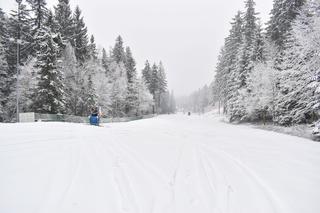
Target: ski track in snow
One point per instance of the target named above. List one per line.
(167, 164)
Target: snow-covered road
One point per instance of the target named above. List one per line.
(165, 164)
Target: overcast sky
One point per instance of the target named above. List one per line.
(186, 35)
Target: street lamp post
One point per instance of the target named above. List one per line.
(18, 60)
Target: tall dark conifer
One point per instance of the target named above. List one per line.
(80, 37)
(118, 53)
(282, 15)
(40, 12)
(49, 95)
(63, 16)
(146, 74)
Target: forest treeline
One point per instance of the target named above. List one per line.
(61, 70)
(270, 73)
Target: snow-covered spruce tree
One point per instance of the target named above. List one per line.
(5, 77)
(298, 97)
(118, 53)
(80, 37)
(154, 85)
(246, 59)
(19, 27)
(162, 78)
(163, 94)
(219, 88)
(246, 52)
(50, 95)
(105, 62)
(4, 81)
(286, 82)
(39, 12)
(3, 26)
(282, 15)
(259, 50)
(92, 49)
(232, 46)
(146, 74)
(63, 17)
(132, 89)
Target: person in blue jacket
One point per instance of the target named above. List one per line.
(94, 117)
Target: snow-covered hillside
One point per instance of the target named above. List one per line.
(161, 165)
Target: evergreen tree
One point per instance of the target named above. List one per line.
(162, 93)
(232, 47)
(130, 66)
(162, 79)
(50, 96)
(4, 80)
(259, 52)
(220, 81)
(154, 82)
(118, 53)
(52, 23)
(132, 92)
(3, 26)
(246, 52)
(80, 37)
(105, 62)
(246, 58)
(282, 15)
(298, 97)
(92, 48)
(40, 12)
(19, 27)
(146, 74)
(63, 16)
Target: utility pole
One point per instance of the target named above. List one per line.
(18, 59)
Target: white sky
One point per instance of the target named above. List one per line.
(186, 35)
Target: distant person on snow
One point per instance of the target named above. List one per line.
(94, 118)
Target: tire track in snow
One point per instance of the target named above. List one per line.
(75, 159)
(246, 174)
(212, 178)
(158, 183)
(128, 201)
(143, 164)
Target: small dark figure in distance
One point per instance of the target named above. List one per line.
(94, 118)
(189, 113)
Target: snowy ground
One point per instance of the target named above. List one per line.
(161, 165)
